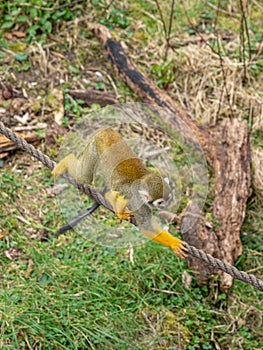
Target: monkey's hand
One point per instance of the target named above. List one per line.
(119, 205)
(165, 238)
(63, 166)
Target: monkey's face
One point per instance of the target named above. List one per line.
(163, 201)
(156, 191)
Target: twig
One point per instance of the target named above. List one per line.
(244, 19)
(242, 42)
(149, 323)
(162, 19)
(218, 9)
(169, 30)
(165, 291)
(218, 53)
(106, 8)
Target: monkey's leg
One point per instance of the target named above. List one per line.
(68, 164)
(119, 204)
(77, 219)
(147, 225)
(82, 168)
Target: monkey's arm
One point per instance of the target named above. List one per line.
(119, 204)
(68, 164)
(165, 238)
(154, 231)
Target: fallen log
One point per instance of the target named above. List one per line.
(6, 145)
(90, 96)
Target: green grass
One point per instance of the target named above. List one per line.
(78, 294)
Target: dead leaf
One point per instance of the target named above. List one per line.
(56, 189)
(187, 279)
(3, 234)
(13, 253)
(8, 36)
(7, 91)
(52, 134)
(29, 268)
(58, 105)
(19, 34)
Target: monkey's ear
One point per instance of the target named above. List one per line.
(145, 196)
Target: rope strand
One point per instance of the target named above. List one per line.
(25, 146)
(209, 259)
(229, 269)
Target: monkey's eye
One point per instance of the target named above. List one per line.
(159, 203)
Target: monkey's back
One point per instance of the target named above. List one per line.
(105, 138)
(120, 164)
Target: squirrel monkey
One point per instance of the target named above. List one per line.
(132, 186)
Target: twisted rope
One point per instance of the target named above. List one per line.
(25, 146)
(229, 269)
(209, 259)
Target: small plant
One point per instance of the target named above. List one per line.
(36, 19)
(115, 17)
(165, 74)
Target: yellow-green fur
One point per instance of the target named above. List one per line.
(131, 184)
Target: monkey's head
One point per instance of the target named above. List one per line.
(155, 190)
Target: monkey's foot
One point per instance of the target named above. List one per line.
(180, 250)
(62, 166)
(124, 216)
(119, 205)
